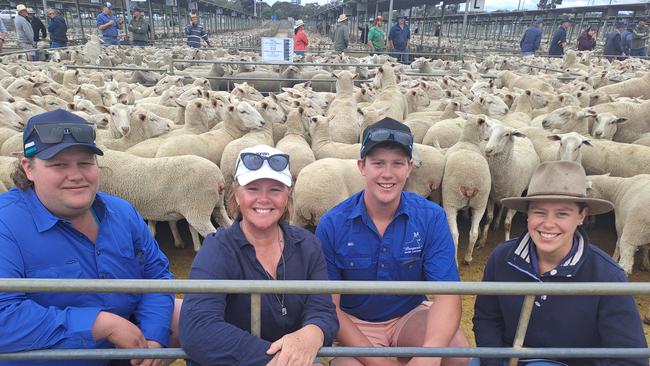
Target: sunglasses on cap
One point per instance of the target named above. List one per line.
(253, 161)
(54, 133)
(383, 134)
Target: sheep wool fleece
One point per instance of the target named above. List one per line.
(416, 246)
(558, 321)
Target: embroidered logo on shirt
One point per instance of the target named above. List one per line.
(350, 244)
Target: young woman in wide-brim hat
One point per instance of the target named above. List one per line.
(555, 248)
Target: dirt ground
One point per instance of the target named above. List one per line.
(603, 234)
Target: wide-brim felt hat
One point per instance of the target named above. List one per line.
(21, 7)
(558, 181)
(298, 24)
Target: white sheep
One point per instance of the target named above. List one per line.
(637, 119)
(294, 143)
(142, 125)
(512, 163)
(636, 87)
(631, 199)
(606, 125)
(168, 189)
(389, 94)
(343, 128)
(571, 118)
(467, 181)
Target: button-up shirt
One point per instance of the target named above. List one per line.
(112, 30)
(416, 246)
(399, 36)
(34, 243)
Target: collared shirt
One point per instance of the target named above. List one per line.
(196, 32)
(58, 29)
(399, 36)
(558, 321)
(112, 30)
(416, 246)
(34, 243)
(300, 41)
(215, 328)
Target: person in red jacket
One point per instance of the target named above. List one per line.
(300, 40)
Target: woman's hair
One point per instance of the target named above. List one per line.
(19, 177)
(235, 213)
(296, 30)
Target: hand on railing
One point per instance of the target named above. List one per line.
(117, 330)
(298, 348)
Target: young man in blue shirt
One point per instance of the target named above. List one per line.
(195, 32)
(56, 224)
(385, 234)
(108, 24)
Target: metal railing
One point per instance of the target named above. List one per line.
(256, 288)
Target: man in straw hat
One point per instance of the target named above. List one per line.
(385, 234)
(195, 32)
(556, 249)
(108, 25)
(341, 34)
(24, 31)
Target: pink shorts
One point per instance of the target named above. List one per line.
(386, 333)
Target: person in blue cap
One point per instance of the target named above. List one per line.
(55, 224)
(108, 25)
(383, 233)
(139, 27)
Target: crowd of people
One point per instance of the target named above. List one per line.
(622, 42)
(56, 224)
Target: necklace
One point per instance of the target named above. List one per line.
(280, 299)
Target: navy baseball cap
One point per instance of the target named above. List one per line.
(136, 8)
(387, 130)
(108, 5)
(49, 133)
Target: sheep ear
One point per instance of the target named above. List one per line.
(71, 106)
(360, 111)
(517, 134)
(335, 75)
(620, 120)
(355, 76)
(528, 92)
(554, 137)
(301, 110)
(330, 118)
(561, 98)
(231, 108)
(265, 105)
(413, 92)
(273, 96)
(142, 116)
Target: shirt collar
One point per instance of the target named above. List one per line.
(359, 209)
(524, 256)
(45, 220)
(291, 235)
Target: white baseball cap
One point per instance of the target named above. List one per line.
(245, 175)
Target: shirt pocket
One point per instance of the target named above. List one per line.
(71, 269)
(410, 268)
(355, 267)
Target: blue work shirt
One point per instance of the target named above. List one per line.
(34, 243)
(559, 36)
(531, 39)
(196, 32)
(111, 31)
(399, 36)
(215, 328)
(416, 246)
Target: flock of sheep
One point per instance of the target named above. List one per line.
(170, 148)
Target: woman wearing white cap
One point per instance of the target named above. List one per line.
(259, 245)
(556, 249)
(300, 40)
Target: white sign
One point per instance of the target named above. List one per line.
(476, 5)
(277, 49)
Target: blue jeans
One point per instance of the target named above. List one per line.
(527, 53)
(402, 56)
(643, 52)
(37, 56)
(111, 41)
(477, 362)
(300, 53)
(139, 43)
(56, 44)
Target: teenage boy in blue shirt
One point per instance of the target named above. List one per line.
(385, 234)
(57, 225)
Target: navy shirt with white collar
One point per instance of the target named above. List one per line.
(416, 246)
(558, 321)
(34, 243)
(215, 328)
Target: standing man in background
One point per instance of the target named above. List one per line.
(559, 39)
(195, 32)
(626, 39)
(614, 42)
(108, 25)
(341, 34)
(532, 38)
(376, 35)
(3, 34)
(398, 37)
(58, 29)
(139, 27)
(24, 31)
(640, 39)
(39, 29)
